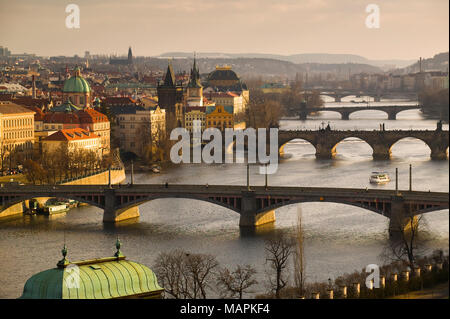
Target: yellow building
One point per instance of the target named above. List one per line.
(73, 140)
(220, 117)
(16, 130)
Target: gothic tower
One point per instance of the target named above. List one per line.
(130, 56)
(194, 88)
(170, 98)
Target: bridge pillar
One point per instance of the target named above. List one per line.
(303, 116)
(401, 221)
(345, 116)
(377, 98)
(438, 152)
(337, 98)
(111, 214)
(381, 152)
(249, 217)
(325, 151)
(392, 115)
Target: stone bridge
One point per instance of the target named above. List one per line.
(326, 140)
(390, 110)
(256, 205)
(377, 94)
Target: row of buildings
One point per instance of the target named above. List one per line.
(80, 120)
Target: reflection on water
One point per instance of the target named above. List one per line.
(338, 238)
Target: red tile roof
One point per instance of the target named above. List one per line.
(59, 117)
(89, 115)
(71, 135)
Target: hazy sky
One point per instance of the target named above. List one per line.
(408, 28)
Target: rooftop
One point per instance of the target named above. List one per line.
(71, 135)
(103, 278)
(7, 107)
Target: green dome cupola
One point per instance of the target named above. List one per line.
(76, 83)
(102, 278)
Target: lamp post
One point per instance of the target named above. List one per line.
(396, 180)
(248, 176)
(410, 177)
(132, 172)
(266, 184)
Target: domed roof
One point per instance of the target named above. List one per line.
(104, 278)
(76, 84)
(223, 73)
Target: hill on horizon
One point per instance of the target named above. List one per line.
(323, 58)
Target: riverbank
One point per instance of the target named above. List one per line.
(437, 292)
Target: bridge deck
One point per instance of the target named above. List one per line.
(222, 190)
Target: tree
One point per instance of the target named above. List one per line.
(299, 258)
(262, 111)
(169, 269)
(184, 275)
(278, 250)
(407, 243)
(235, 283)
(199, 272)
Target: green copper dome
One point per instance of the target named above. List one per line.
(104, 278)
(76, 84)
(101, 279)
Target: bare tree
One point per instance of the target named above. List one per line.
(278, 250)
(200, 270)
(235, 283)
(169, 269)
(407, 243)
(184, 275)
(299, 258)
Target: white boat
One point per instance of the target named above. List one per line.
(379, 177)
(55, 209)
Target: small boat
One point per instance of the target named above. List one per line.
(57, 208)
(379, 178)
(156, 169)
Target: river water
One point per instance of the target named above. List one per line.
(338, 238)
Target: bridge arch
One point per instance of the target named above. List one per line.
(97, 201)
(352, 138)
(410, 138)
(372, 110)
(324, 110)
(213, 200)
(282, 144)
(368, 207)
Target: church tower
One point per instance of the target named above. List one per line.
(130, 56)
(194, 88)
(170, 98)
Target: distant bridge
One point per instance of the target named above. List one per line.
(377, 94)
(325, 141)
(391, 110)
(255, 205)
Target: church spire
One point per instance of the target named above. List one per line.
(195, 75)
(169, 79)
(130, 55)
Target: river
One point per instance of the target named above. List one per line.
(338, 238)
